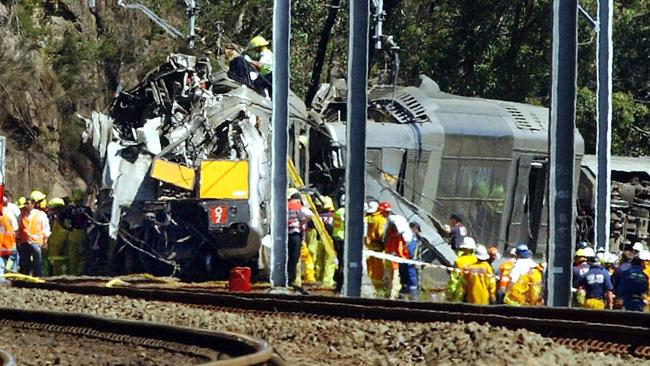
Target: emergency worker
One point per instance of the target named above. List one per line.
(503, 268)
(58, 241)
(633, 287)
(456, 230)
(297, 216)
(595, 289)
(262, 60)
(338, 236)
(377, 222)
(8, 251)
(13, 208)
(644, 256)
(580, 265)
(609, 263)
(78, 249)
(523, 264)
(527, 290)
(480, 284)
(455, 291)
(32, 238)
(625, 264)
(324, 264)
(408, 274)
(40, 200)
(398, 234)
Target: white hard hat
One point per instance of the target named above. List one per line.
(637, 246)
(611, 258)
(588, 252)
(372, 207)
(644, 255)
(482, 253)
(468, 243)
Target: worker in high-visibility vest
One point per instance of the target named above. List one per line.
(324, 263)
(455, 291)
(58, 241)
(32, 237)
(527, 290)
(338, 236)
(8, 251)
(377, 222)
(78, 249)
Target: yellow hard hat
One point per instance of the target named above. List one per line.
(37, 196)
(22, 201)
(56, 202)
(580, 253)
(258, 41)
(328, 203)
(77, 194)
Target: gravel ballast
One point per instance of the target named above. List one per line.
(335, 341)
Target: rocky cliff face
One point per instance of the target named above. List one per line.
(58, 58)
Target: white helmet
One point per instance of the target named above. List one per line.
(588, 252)
(482, 253)
(644, 255)
(611, 258)
(468, 243)
(637, 246)
(372, 207)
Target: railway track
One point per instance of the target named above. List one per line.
(121, 337)
(615, 332)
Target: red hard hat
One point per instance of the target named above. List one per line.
(384, 206)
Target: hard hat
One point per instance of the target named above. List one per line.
(588, 252)
(468, 243)
(644, 255)
(521, 247)
(328, 203)
(77, 194)
(611, 258)
(258, 41)
(37, 196)
(580, 253)
(637, 246)
(291, 191)
(56, 202)
(373, 206)
(22, 201)
(384, 207)
(482, 253)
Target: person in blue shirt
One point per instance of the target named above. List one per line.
(595, 289)
(633, 287)
(407, 272)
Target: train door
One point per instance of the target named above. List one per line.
(527, 218)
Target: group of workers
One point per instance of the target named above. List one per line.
(480, 275)
(42, 237)
(600, 279)
(385, 232)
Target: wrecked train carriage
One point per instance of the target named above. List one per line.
(186, 161)
(432, 154)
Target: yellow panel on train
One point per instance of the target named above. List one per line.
(224, 179)
(173, 173)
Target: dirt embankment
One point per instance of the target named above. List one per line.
(57, 58)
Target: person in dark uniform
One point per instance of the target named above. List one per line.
(456, 230)
(595, 286)
(633, 287)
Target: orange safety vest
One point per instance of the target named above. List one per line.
(7, 236)
(504, 270)
(31, 228)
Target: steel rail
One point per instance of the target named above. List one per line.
(241, 350)
(617, 331)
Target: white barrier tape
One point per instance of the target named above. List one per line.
(396, 259)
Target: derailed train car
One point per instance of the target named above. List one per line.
(185, 166)
(435, 154)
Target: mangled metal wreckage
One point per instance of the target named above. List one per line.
(186, 169)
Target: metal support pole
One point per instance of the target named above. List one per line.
(191, 21)
(279, 119)
(355, 172)
(562, 152)
(604, 120)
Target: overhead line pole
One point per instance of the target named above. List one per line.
(562, 208)
(604, 56)
(355, 173)
(279, 142)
